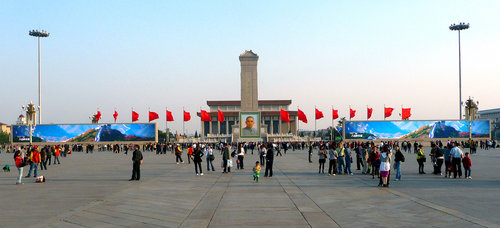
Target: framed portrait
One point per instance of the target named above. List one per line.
(249, 124)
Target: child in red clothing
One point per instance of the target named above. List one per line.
(467, 164)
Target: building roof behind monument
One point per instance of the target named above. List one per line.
(249, 54)
(283, 102)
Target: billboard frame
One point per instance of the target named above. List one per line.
(418, 140)
(83, 143)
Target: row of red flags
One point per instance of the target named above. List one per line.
(285, 116)
(153, 116)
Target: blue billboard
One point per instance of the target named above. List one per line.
(86, 133)
(415, 129)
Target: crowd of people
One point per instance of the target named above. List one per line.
(370, 158)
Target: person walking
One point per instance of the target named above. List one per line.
(439, 156)
(457, 155)
(210, 158)
(364, 158)
(399, 158)
(341, 158)
(310, 152)
(332, 165)
(136, 164)
(375, 161)
(467, 164)
(385, 166)
(359, 159)
(262, 155)
(447, 161)
(190, 153)
(348, 160)
(18, 159)
(241, 156)
(35, 159)
(178, 153)
(57, 152)
(420, 159)
(322, 159)
(197, 155)
(225, 158)
(269, 160)
(43, 156)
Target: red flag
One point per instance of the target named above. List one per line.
(205, 117)
(335, 114)
(169, 116)
(406, 113)
(115, 115)
(98, 116)
(352, 113)
(187, 116)
(302, 116)
(319, 114)
(369, 112)
(153, 116)
(285, 116)
(388, 112)
(135, 116)
(220, 116)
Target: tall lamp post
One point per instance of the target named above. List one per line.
(39, 34)
(459, 27)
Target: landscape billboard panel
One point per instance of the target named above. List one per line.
(415, 129)
(86, 133)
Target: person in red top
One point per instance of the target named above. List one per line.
(467, 164)
(35, 159)
(57, 152)
(190, 153)
(18, 158)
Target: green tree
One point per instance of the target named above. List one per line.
(4, 137)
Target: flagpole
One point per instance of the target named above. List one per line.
(297, 130)
(350, 112)
(183, 122)
(315, 120)
(332, 124)
(384, 111)
(366, 112)
(279, 126)
(132, 114)
(149, 110)
(166, 125)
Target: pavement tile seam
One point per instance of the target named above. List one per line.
(201, 199)
(298, 187)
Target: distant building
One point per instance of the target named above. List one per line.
(272, 129)
(494, 116)
(4, 128)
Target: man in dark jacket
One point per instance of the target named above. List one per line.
(137, 161)
(269, 160)
(225, 158)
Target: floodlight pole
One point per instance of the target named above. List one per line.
(39, 34)
(459, 27)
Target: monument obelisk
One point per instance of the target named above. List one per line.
(249, 83)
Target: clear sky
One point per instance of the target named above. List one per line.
(141, 54)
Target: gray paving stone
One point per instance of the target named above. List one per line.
(91, 190)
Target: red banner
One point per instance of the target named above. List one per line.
(285, 116)
(335, 114)
(369, 112)
(135, 116)
(187, 116)
(319, 114)
(220, 116)
(153, 116)
(406, 113)
(388, 112)
(302, 116)
(205, 117)
(170, 117)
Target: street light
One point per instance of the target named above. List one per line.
(459, 27)
(39, 34)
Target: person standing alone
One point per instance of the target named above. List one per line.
(136, 162)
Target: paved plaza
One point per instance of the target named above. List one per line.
(92, 190)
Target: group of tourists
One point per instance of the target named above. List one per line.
(378, 159)
(196, 152)
(33, 157)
